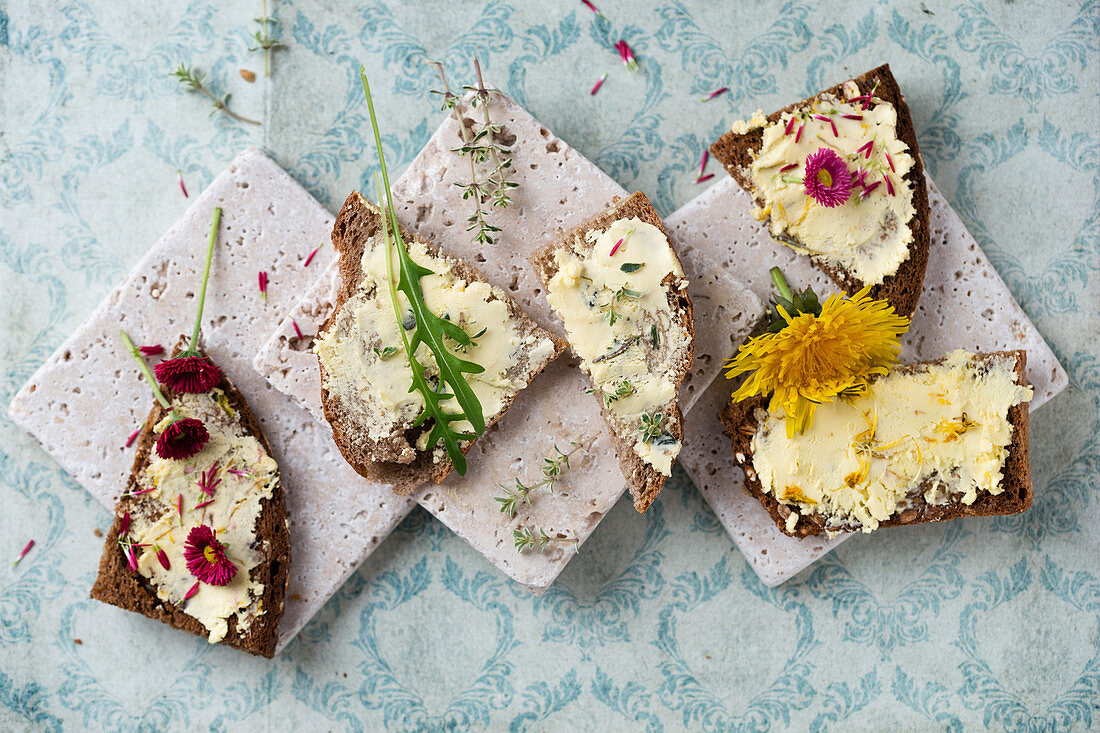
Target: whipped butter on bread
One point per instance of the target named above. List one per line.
(246, 474)
(867, 236)
(619, 322)
(936, 431)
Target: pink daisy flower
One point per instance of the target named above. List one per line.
(206, 558)
(827, 180)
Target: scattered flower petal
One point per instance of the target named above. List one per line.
(707, 177)
(191, 591)
(262, 279)
(207, 481)
(132, 438)
(593, 8)
(715, 93)
(124, 524)
(162, 556)
(599, 83)
(296, 329)
(179, 177)
(627, 55)
(151, 350)
(703, 163)
(308, 260)
(23, 554)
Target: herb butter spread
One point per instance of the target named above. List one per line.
(941, 429)
(245, 474)
(617, 315)
(868, 235)
(365, 359)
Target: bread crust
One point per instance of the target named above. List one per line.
(903, 288)
(117, 585)
(394, 459)
(644, 481)
(740, 423)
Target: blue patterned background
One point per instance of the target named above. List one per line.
(659, 624)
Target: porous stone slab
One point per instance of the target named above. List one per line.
(86, 399)
(964, 304)
(558, 190)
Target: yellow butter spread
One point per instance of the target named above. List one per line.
(868, 236)
(247, 474)
(941, 429)
(617, 315)
(365, 359)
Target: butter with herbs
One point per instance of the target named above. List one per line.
(619, 323)
(867, 236)
(247, 474)
(941, 429)
(365, 360)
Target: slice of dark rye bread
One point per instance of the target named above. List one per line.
(388, 459)
(736, 152)
(118, 585)
(644, 481)
(740, 422)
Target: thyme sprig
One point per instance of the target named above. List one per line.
(428, 329)
(479, 147)
(195, 83)
(535, 538)
(264, 40)
(498, 155)
(552, 469)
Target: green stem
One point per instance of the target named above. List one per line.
(781, 284)
(389, 267)
(145, 370)
(193, 347)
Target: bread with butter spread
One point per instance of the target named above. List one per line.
(619, 287)
(365, 373)
(994, 479)
(246, 509)
(879, 235)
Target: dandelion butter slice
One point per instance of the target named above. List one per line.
(925, 442)
(620, 291)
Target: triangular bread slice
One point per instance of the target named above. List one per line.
(741, 420)
(118, 585)
(394, 456)
(736, 151)
(672, 347)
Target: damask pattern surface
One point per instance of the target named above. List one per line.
(659, 624)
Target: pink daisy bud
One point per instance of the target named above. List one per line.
(182, 439)
(190, 374)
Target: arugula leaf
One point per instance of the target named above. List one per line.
(430, 330)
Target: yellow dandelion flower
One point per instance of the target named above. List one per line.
(813, 359)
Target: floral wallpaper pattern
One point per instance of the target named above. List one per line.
(658, 624)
